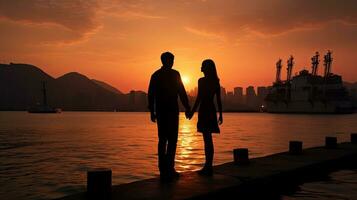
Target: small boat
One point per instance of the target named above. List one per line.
(45, 108)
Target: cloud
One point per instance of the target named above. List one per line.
(211, 17)
(19, 38)
(76, 15)
(130, 9)
(232, 18)
(271, 17)
(130, 15)
(204, 34)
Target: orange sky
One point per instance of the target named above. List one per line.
(120, 41)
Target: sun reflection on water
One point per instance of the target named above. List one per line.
(189, 155)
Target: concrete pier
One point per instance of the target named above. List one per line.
(232, 181)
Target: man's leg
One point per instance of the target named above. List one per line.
(162, 155)
(172, 142)
(161, 149)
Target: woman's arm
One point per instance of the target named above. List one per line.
(219, 104)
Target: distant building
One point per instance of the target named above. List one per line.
(229, 101)
(251, 98)
(262, 92)
(250, 92)
(230, 96)
(238, 95)
(223, 93)
(238, 92)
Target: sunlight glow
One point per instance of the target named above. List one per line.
(185, 80)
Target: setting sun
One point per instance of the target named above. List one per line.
(185, 80)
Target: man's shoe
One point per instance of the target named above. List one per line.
(165, 178)
(206, 171)
(175, 174)
(169, 176)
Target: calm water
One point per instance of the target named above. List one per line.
(340, 185)
(47, 155)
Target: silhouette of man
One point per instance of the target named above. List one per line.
(164, 88)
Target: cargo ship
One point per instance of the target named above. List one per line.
(309, 92)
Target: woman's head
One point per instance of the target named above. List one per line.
(209, 69)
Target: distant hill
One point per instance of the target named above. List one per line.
(77, 92)
(107, 86)
(21, 88)
(20, 85)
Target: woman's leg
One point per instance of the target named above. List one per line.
(209, 149)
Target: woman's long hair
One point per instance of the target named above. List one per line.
(209, 69)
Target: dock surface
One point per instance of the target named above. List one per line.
(230, 181)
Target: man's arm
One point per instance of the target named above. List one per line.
(151, 98)
(182, 94)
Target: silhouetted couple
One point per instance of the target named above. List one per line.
(164, 89)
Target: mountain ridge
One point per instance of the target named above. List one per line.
(107, 86)
(21, 87)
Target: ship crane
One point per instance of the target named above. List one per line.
(278, 71)
(290, 68)
(315, 92)
(327, 63)
(315, 63)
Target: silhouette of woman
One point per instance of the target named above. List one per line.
(208, 87)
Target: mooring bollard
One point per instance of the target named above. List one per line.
(99, 183)
(354, 138)
(330, 142)
(240, 156)
(295, 147)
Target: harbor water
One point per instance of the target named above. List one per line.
(45, 156)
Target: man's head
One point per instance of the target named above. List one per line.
(167, 59)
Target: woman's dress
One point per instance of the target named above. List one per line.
(207, 114)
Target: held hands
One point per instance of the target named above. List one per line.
(188, 114)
